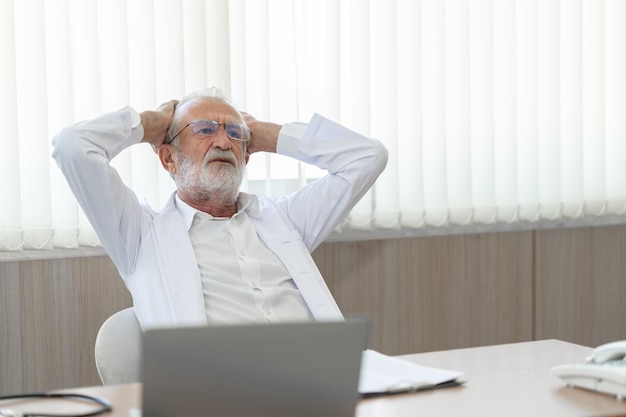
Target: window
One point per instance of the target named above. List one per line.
(498, 114)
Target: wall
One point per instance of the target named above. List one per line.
(436, 293)
(50, 312)
(421, 294)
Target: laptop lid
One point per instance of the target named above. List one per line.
(278, 370)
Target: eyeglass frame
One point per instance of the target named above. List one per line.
(219, 125)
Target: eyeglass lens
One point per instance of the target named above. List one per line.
(211, 128)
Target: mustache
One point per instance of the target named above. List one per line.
(219, 155)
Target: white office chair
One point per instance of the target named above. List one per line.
(118, 349)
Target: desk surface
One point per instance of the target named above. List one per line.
(512, 380)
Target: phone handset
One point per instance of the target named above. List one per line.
(608, 352)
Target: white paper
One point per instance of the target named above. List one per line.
(381, 373)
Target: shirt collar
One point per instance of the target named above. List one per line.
(246, 202)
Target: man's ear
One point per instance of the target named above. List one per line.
(166, 156)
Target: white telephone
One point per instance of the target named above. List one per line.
(604, 371)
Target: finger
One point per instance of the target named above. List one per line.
(168, 106)
(247, 117)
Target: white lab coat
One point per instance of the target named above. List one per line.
(152, 250)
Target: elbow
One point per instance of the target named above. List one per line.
(65, 145)
(380, 155)
(75, 147)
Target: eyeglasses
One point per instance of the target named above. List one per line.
(209, 128)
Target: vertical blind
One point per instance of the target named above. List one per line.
(497, 114)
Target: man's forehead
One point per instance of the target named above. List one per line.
(207, 107)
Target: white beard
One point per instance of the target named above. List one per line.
(210, 181)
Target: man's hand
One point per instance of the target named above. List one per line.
(156, 123)
(264, 135)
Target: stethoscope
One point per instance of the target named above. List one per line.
(105, 406)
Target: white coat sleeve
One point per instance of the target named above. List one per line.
(83, 152)
(353, 163)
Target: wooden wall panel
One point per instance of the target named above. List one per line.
(54, 309)
(421, 294)
(581, 284)
(434, 293)
(11, 353)
(499, 288)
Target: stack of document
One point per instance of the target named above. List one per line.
(382, 374)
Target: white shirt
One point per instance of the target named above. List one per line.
(242, 280)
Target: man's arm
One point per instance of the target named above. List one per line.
(353, 163)
(83, 152)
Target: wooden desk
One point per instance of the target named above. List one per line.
(503, 380)
(511, 380)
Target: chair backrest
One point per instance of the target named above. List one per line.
(118, 349)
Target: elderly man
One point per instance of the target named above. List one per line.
(215, 255)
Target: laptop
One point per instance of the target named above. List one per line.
(278, 370)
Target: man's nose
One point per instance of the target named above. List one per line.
(221, 139)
